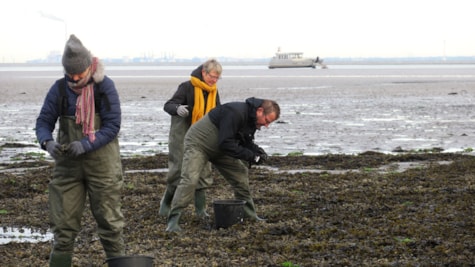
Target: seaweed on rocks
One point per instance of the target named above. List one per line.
(423, 215)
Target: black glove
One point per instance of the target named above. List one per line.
(262, 154)
(54, 149)
(75, 149)
(259, 159)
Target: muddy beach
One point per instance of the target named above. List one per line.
(340, 110)
(369, 166)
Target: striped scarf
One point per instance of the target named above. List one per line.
(199, 105)
(85, 105)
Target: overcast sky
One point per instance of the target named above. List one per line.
(31, 29)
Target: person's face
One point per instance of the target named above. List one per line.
(264, 119)
(210, 78)
(78, 76)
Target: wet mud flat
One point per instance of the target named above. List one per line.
(334, 111)
(369, 209)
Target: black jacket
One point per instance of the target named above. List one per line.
(236, 122)
(185, 95)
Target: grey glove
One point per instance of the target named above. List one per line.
(75, 149)
(54, 149)
(182, 110)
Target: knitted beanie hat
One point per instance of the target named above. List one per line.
(76, 58)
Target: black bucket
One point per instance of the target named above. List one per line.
(228, 212)
(130, 261)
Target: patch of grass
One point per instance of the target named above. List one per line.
(130, 186)
(404, 239)
(295, 154)
(368, 169)
(289, 264)
(11, 181)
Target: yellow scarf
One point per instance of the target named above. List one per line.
(199, 105)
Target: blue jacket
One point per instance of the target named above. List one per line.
(110, 114)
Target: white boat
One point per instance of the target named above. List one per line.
(294, 60)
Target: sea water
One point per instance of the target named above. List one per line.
(23, 235)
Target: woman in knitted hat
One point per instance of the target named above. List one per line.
(86, 153)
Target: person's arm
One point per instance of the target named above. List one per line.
(49, 113)
(178, 98)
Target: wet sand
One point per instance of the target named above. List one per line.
(340, 110)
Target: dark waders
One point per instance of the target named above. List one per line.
(201, 144)
(97, 175)
(178, 129)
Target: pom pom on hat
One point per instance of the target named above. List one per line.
(76, 58)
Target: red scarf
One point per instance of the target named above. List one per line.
(85, 105)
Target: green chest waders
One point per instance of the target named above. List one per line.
(98, 175)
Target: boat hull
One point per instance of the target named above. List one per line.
(302, 63)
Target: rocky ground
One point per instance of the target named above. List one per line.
(371, 209)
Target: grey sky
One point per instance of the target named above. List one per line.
(186, 28)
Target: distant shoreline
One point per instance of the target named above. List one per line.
(469, 60)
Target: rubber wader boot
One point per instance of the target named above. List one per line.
(200, 203)
(250, 212)
(166, 201)
(260, 219)
(173, 221)
(60, 259)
